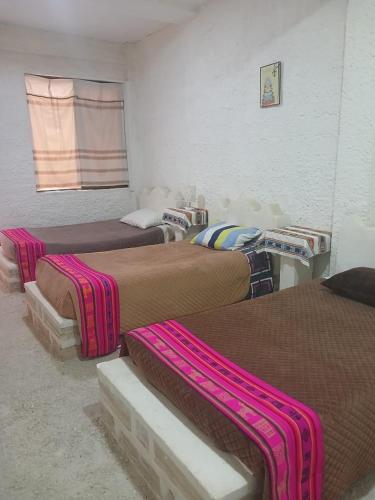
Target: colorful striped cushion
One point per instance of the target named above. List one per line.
(225, 236)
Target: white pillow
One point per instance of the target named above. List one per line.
(143, 218)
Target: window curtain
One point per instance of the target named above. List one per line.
(78, 133)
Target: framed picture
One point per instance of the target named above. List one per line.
(270, 85)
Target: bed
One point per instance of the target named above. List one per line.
(147, 284)
(317, 348)
(16, 269)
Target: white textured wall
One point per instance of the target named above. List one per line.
(195, 103)
(193, 111)
(355, 184)
(31, 51)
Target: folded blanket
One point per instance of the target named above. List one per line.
(28, 250)
(99, 308)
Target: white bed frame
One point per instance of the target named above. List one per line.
(9, 274)
(156, 198)
(170, 453)
(245, 211)
(174, 459)
(57, 333)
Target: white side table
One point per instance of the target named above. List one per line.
(187, 222)
(304, 253)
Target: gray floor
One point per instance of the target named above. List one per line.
(52, 445)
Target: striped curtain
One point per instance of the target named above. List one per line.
(78, 133)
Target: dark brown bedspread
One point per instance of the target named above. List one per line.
(89, 237)
(315, 346)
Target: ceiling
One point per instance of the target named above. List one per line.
(112, 20)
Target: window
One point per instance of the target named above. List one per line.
(78, 133)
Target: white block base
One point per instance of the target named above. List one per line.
(188, 235)
(293, 272)
(9, 274)
(62, 333)
(175, 460)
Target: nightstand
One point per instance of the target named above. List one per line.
(304, 252)
(187, 221)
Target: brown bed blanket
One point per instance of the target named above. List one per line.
(315, 346)
(88, 237)
(156, 282)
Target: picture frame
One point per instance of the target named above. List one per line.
(270, 85)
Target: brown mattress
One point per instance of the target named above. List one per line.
(89, 237)
(156, 282)
(310, 343)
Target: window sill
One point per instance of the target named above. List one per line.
(81, 190)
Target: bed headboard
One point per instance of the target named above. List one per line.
(356, 243)
(159, 198)
(245, 211)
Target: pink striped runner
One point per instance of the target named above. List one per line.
(288, 433)
(28, 250)
(99, 306)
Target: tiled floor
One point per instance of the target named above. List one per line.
(52, 443)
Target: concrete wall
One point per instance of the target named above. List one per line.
(193, 111)
(355, 182)
(31, 51)
(195, 103)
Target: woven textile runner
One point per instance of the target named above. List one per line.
(297, 242)
(184, 218)
(261, 275)
(288, 433)
(99, 306)
(28, 250)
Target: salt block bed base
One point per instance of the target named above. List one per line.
(174, 458)
(9, 274)
(61, 333)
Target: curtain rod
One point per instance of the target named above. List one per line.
(72, 78)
